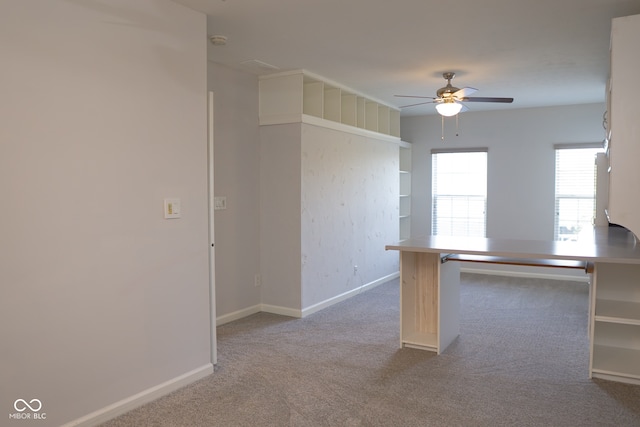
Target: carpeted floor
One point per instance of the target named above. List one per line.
(521, 360)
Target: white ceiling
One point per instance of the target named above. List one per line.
(540, 52)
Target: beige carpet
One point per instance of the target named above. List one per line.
(521, 360)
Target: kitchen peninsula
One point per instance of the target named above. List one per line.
(430, 296)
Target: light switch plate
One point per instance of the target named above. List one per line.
(171, 208)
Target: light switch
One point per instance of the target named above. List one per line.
(171, 208)
(219, 203)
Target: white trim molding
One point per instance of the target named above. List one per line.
(125, 405)
(338, 298)
(239, 314)
(298, 313)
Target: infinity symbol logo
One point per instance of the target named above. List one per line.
(21, 405)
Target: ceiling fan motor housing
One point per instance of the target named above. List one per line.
(448, 90)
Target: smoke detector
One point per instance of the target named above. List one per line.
(218, 40)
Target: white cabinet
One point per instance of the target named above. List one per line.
(615, 309)
(623, 145)
(615, 328)
(405, 190)
(300, 96)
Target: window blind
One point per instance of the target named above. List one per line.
(459, 192)
(575, 192)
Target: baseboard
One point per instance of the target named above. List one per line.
(526, 274)
(283, 311)
(297, 313)
(109, 412)
(334, 300)
(240, 314)
(236, 315)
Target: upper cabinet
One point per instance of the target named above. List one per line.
(623, 136)
(300, 96)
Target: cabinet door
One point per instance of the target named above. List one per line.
(624, 150)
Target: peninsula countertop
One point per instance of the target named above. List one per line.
(605, 244)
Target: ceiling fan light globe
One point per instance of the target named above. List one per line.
(449, 109)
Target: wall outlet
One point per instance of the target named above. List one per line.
(219, 203)
(257, 280)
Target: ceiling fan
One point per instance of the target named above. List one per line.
(449, 99)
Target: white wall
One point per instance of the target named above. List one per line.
(280, 192)
(350, 208)
(302, 242)
(521, 162)
(329, 201)
(237, 177)
(103, 113)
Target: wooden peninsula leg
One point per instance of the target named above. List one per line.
(429, 301)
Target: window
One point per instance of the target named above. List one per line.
(575, 191)
(459, 192)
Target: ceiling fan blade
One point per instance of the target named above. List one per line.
(414, 105)
(464, 92)
(463, 109)
(414, 96)
(484, 99)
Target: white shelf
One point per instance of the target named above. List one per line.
(286, 97)
(405, 227)
(624, 312)
(349, 112)
(384, 125)
(332, 104)
(616, 348)
(360, 102)
(405, 159)
(616, 322)
(394, 123)
(405, 206)
(616, 361)
(313, 99)
(405, 183)
(405, 190)
(371, 115)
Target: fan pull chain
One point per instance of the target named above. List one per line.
(442, 127)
